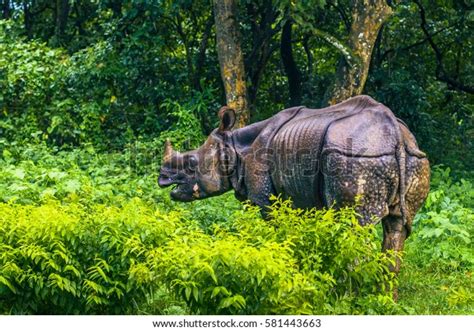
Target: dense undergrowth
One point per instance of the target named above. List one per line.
(437, 277)
(88, 232)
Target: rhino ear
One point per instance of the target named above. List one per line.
(227, 117)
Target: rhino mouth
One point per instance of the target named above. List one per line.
(169, 180)
(164, 181)
(181, 189)
(182, 192)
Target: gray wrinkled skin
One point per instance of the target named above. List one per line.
(318, 158)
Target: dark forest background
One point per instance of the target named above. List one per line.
(108, 72)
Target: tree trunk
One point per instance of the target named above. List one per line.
(79, 21)
(6, 9)
(116, 6)
(62, 13)
(289, 64)
(230, 58)
(27, 20)
(263, 28)
(201, 54)
(368, 17)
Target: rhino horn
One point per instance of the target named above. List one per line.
(168, 150)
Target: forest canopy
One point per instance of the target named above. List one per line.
(110, 72)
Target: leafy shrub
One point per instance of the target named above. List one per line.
(97, 95)
(436, 277)
(30, 174)
(30, 76)
(69, 216)
(82, 234)
(444, 228)
(301, 263)
(226, 274)
(75, 259)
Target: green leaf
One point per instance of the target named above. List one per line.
(7, 283)
(196, 293)
(72, 186)
(18, 173)
(187, 292)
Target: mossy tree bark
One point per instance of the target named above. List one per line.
(231, 59)
(368, 17)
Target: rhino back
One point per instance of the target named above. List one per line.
(370, 133)
(300, 145)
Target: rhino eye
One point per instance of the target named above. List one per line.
(192, 161)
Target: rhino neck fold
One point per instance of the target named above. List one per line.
(242, 143)
(236, 173)
(251, 178)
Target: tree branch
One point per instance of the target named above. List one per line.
(441, 73)
(345, 50)
(342, 13)
(309, 55)
(350, 58)
(418, 43)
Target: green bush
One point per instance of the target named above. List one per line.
(76, 258)
(31, 74)
(97, 95)
(444, 227)
(30, 174)
(439, 259)
(63, 259)
(83, 232)
(314, 262)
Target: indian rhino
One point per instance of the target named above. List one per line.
(356, 149)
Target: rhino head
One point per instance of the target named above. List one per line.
(203, 172)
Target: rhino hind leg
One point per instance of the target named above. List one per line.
(395, 231)
(418, 185)
(371, 181)
(375, 181)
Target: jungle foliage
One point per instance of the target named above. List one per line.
(86, 234)
(109, 71)
(90, 90)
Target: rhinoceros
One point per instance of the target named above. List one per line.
(354, 150)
